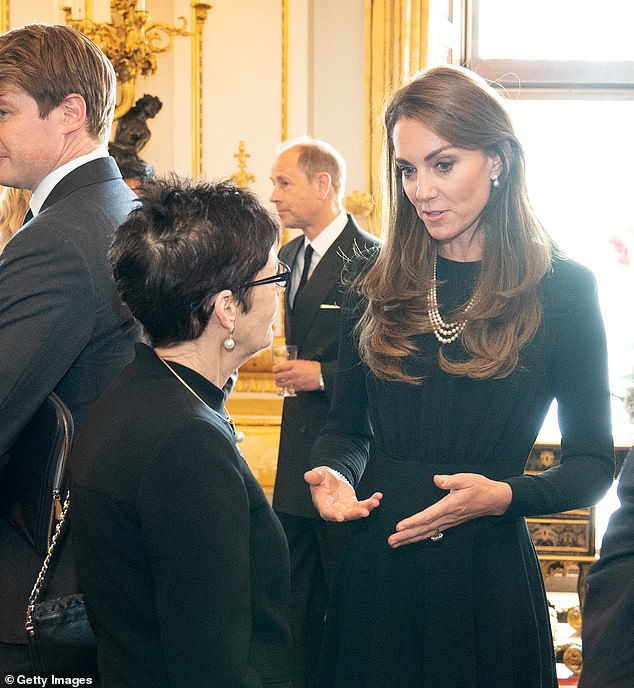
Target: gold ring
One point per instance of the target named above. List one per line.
(437, 536)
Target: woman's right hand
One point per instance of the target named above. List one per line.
(335, 498)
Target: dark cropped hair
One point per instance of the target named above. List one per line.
(185, 242)
(50, 62)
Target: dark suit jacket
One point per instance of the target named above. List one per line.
(313, 324)
(608, 614)
(182, 561)
(63, 329)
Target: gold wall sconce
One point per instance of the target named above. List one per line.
(131, 41)
(361, 204)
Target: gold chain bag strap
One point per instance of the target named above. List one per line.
(60, 638)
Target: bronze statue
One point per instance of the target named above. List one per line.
(132, 131)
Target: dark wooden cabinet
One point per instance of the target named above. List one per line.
(566, 533)
(564, 541)
(569, 534)
(567, 538)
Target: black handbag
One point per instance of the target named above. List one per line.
(32, 482)
(60, 638)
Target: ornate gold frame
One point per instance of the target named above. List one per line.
(199, 16)
(285, 38)
(4, 15)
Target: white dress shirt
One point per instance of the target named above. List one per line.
(321, 243)
(51, 180)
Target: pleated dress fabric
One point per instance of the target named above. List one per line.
(468, 611)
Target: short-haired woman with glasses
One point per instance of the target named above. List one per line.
(183, 563)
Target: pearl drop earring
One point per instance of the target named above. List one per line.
(495, 182)
(229, 343)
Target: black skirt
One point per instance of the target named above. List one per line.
(464, 612)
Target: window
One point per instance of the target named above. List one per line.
(578, 139)
(567, 67)
(556, 43)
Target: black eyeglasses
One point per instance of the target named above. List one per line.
(281, 279)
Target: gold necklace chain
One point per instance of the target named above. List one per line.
(444, 332)
(237, 436)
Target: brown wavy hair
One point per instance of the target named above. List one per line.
(463, 109)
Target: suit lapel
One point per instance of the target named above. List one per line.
(326, 276)
(93, 172)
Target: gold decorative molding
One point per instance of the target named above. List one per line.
(256, 383)
(5, 16)
(255, 375)
(562, 535)
(131, 41)
(200, 10)
(285, 48)
(242, 178)
(286, 19)
(396, 40)
(572, 657)
(573, 618)
(361, 205)
(258, 414)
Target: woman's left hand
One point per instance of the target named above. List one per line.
(470, 496)
(335, 498)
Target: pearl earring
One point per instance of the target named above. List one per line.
(495, 182)
(229, 342)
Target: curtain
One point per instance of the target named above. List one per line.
(4, 16)
(396, 46)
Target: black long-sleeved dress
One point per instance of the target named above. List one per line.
(469, 610)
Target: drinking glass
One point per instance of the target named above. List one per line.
(281, 353)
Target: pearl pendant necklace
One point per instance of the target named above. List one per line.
(445, 333)
(237, 436)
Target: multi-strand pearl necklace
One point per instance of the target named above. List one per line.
(444, 332)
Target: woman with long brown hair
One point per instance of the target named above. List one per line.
(456, 338)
